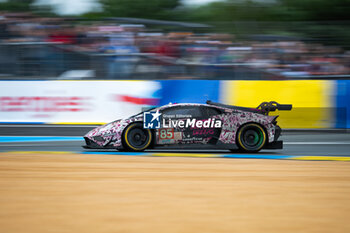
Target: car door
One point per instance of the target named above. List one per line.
(173, 132)
(211, 134)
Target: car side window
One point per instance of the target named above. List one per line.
(209, 111)
(186, 110)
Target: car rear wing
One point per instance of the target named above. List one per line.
(263, 108)
(272, 106)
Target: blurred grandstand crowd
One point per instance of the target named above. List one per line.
(61, 47)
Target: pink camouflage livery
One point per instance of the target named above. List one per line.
(236, 128)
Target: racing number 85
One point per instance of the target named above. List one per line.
(166, 133)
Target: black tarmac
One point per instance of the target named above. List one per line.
(301, 142)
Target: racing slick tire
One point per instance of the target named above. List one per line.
(251, 138)
(136, 138)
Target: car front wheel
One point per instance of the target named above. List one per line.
(136, 138)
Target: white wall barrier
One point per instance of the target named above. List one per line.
(74, 101)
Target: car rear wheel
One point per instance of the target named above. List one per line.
(251, 137)
(136, 138)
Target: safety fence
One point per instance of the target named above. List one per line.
(50, 60)
(316, 103)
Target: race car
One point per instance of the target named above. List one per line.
(193, 126)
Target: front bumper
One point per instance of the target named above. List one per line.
(93, 145)
(274, 145)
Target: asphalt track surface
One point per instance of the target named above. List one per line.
(69, 138)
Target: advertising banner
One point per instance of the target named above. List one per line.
(189, 91)
(316, 103)
(85, 102)
(312, 100)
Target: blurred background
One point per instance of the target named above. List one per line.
(219, 43)
(174, 39)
